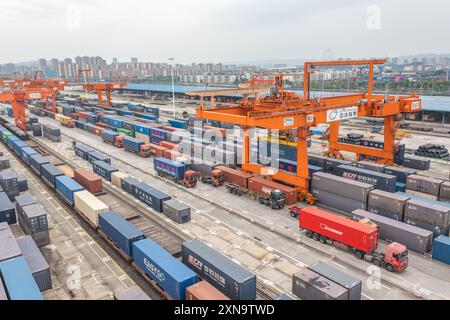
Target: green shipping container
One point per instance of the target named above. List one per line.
(5, 134)
(125, 131)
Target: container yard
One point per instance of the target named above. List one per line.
(233, 186)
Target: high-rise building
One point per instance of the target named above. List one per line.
(42, 64)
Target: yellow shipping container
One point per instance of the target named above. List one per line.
(89, 205)
(117, 177)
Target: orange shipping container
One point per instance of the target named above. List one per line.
(169, 145)
(264, 186)
(156, 150)
(204, 291)
(171, 154)
(88, 179)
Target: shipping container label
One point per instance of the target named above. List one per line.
(342, 114)
(415, 105)
(154, 270)
(73, 88)
(207, 270)
(289, 121)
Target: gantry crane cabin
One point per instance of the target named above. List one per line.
(284, 110)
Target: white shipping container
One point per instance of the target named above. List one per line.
(89, 205)
(142, 137)
(116, 178)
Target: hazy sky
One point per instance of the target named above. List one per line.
(221, 30)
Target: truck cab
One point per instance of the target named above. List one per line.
(118, 142)
(190, 179)
(218, 177)
(277, 200)
(395, 257)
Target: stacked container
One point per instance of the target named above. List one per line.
(387, 204)
(52, 133)
(23, 201)
(7, 211)
(331, 165)
(428, 216)
(424, 185)
(414, 163)
(369, 165)
(441, 249)
(381, 181)
(4, 163)
(444, 193)
(35, 223)
(309, 285)
(8, 181)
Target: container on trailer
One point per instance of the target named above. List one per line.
(424, 184)
(428, 213)
(67, 187)
(97, 156)
(338, 202)
(235, 176)
(233, 280)
(204, 291)
(27, 152)
(109, 136)
(116, 178)
(89, 180)
(18, 280)
(414, 238)
(82, 151)
(331, 164)
(132, 144)
(89, 205)
(353, 285)
(7, 210)
(133, 293)
(4, 163)
(50, 172)
(309, 285)
(265, 186)
(415, 163)
(444, 193)
(9, 248)
(119, 230)
(36, 161)
(399, 172)
(387, 204)
(169, 273)
(103, 169)
(128, 184)
(150, 196)
(177, 211)
(441, 249)
(381, 181)
(22, 183)
(169, 167)
(347, 188)
(369, 165)
(200, 166)
(36, 262)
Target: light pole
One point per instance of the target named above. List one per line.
(173, 88)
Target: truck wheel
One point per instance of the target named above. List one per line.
(309, 233)
(316, 236)
(359, 254)
(323, 239)
(377, 262)
(261, 200)
(389, 267)
(293, 214)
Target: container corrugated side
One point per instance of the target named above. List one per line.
(89, 205)
(9, 248)
(66, 187)
(382, 202)
(225, 275)
(204, 291)
(435, 215)
(441, 249)
(346, 188)
(177, 211)
(339, 202)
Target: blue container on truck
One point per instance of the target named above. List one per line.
(150, 196)
(49, 172)
(225, 275)
(97, 156)
(139, 128)
(7, 210)
(103, 169)
(18, 280)
(381, 181)
(169, 167)
(18, 145)
(109, 136)
(36, 161)
(26, 153)
(169, 273)
(158, 133)
(441, 249)
(82, 151)
(66, 186)
(127, 184)
(132, 144)
(120, 231)
(180, 124)
(79, 124)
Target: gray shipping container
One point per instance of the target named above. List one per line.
(34, 218)
(415, 163)
(36, 262)
(444, 194)
(387, 204)
(23, 201)
(400, 172)
(338, 202)
(428, 213)
(9, 248)
(369, 165)
(131, 293)
(343, 279)
(177, 211)
(341, 186)
(201, 166)
(414, 238)
(381, 181)
(424, 184)
(316, 160)
(332, 164)
(225, 275)
(309, 285)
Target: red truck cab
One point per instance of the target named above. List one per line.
(396, 255)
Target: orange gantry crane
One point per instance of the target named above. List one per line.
(284, 110)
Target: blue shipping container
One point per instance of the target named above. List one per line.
(400, 173)
(49, 172)
(66, 186)
(127, 184)
(109, 136)
(381, 181)
(18, 145)
(422, 199)
(169, 273)
(26, 153)
(36, 161)
(103, 169)
(169, 167)
(150, 196)
(441, 249)
(142, 129)
(120, 231)
(97, 156)
(132, 144)
(181, 124)
(18, 280)
(82, 151)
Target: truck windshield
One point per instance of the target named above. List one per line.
(403, 256)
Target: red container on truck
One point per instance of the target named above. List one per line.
(169, 145)
(157, 151)
(360, 238)
(88, 179)
(265, 186)
(235, 176)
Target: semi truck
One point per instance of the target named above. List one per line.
(273, 198)
(138, 147)
(177, 171)
(113, 138)
(216, 178)
(352, 236)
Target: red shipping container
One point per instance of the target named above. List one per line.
(169, 145)
(235, 176)
(352, 233)
(97, 130)
(169, 128)
(83, 115)
(101, 124)
(156, 150)
(204, 291)
(74, 116)
(89, 180)
(264, 186)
